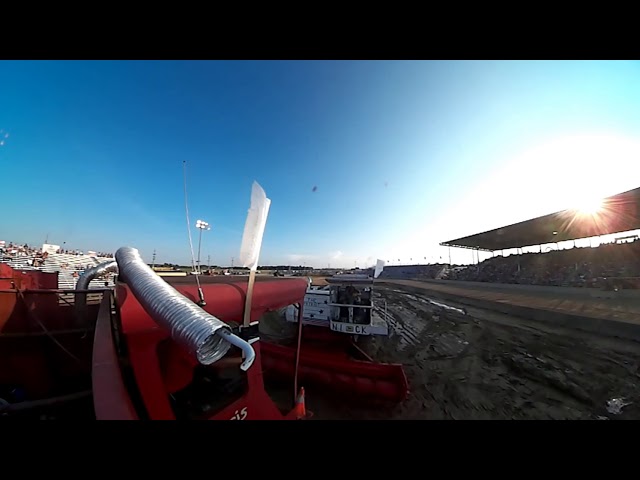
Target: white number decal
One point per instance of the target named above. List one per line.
(240, 415)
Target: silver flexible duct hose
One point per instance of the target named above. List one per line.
(202, 334)
(85, 278)
(89, 274)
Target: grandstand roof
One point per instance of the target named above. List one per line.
(620, 213)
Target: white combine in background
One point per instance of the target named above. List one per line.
(345, 305)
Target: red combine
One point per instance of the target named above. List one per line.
(336, 317)
(151, 350)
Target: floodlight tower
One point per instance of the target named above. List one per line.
(201, 225)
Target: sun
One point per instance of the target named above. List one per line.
(591, 206)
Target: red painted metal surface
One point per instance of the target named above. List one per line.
(111, 399)
(26, 279)
(255, 404)
(13, 316)
(330, 366)
(160, 367)
(335, 362)
(42, 349)
(224, 300)
(326, 358)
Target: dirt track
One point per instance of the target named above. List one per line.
(485, 365)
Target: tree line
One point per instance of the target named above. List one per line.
(218, 267)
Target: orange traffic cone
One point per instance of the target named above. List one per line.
(300, 408)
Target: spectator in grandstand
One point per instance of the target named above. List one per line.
(577, 267)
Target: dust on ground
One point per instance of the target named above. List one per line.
(477, 364)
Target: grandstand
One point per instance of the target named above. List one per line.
(613, 263)
(433, 272)
(68, 266)
(619, 213)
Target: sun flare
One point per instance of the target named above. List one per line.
(590, 206)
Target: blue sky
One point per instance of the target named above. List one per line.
(403, 154)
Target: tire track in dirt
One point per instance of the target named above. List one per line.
(485, 365)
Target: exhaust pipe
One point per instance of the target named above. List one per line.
(203, 335)
(83, 284)
(89, 274)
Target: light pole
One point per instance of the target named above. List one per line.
(201, 225)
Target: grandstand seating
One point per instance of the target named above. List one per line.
(413, 271)
(65, 265)
(576, 267)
